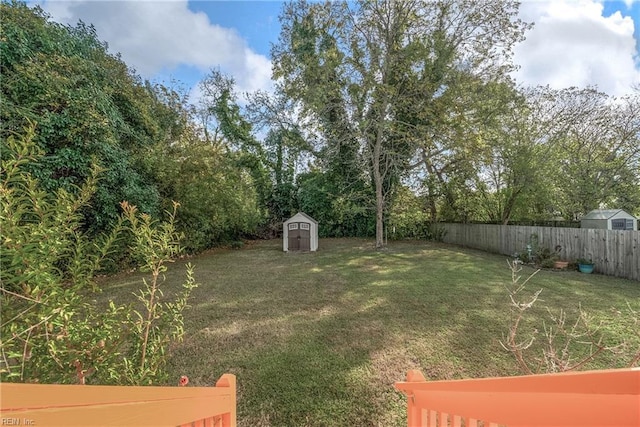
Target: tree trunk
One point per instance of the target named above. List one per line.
(279, 163)
(377, 179)
(379, 217)
(431, 191)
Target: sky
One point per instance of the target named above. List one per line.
(573, 42)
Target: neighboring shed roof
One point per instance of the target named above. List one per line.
(604, 214)
(304, 215)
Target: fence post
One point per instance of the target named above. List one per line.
(229, 380)
(414, 412)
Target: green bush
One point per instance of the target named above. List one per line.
(218, 201)
(435, 232)
(50, 330)
(237, 244)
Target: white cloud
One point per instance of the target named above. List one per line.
(159, 36)
(572, 44)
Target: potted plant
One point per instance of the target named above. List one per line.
(585, 265)
(558, 262)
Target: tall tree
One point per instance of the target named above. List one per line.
(598, 149)
(372, 73)
(456, 137)
(285, 145)
(517, 163)
(87, 106)
(231, 129)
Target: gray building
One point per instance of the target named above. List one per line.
(609, 219)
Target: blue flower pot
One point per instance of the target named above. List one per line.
(585, 268)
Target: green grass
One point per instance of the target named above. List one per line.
(319, 339)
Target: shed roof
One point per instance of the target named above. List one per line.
(605, 214)
(303, 215)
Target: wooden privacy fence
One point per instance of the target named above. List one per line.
(615, 253)
(87, 405)
(609, 398)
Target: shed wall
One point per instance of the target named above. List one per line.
(603, 219)
(624, 215)
(601, 224)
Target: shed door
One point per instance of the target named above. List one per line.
(299, 236)
(305, 236)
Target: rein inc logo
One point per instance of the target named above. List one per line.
(17, 422)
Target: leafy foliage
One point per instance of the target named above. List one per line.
(382, 79)
(339, 213)
(598, 150)
(88, 106)
(218, 198)
(51, 332)
(540, 154)
(91, 109)
(159, 323)
(407, 216)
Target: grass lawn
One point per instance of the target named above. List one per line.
(319, 339)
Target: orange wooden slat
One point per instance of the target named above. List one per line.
(559, 409)
(444, 419)
(433, 422)
(157, 413)
(228, 419)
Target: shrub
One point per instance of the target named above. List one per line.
(563, 344)
(237, 244)
(50, 330)
(435, 232)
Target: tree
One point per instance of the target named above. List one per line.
(517, 168)
(217, 194)
(232, 130)
(342, 214)
(598, 146)
(449, 157)
(284, 147)
(407, 217)
(87, 105)
(371, 73)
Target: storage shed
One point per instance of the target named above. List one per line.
(609, 219)
(300, 233)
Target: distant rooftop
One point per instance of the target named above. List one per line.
(603, 213)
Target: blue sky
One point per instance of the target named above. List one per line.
(574, 42)
(256, 21)
(631, 10)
